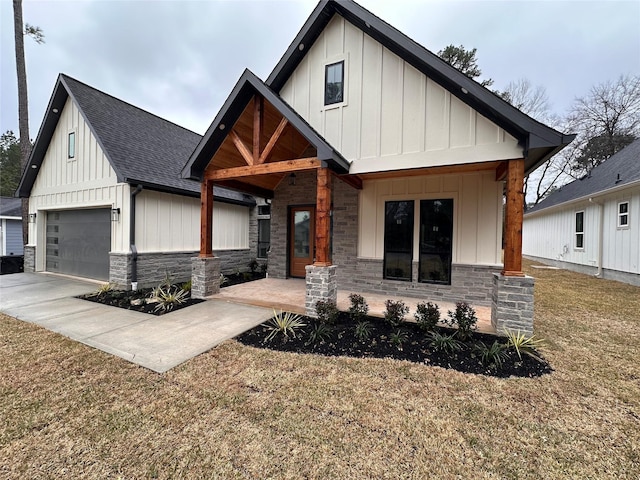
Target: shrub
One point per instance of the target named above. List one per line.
(398, 337)
(492, 356)
(327, 311)
(359, 308)
(395, 312)
(168, 298)
(319, 333)
(445, 343)
(253, 266)
(186, 286)
(223, 280)
(427, 316)
(464, 318)
(246, 276)
(104, 289)
(363, 330)
(285, 324)
(523, 344)
(263, 267)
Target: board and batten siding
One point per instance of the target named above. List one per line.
(166, 223)
(551, 234)
(477, 203)
(393, 116)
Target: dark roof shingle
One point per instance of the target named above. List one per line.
(10, 207)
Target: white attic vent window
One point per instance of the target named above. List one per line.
(71, 145)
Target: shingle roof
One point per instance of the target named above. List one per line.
(141, 147)
(10, 207)
(539, 142)
(621, 169)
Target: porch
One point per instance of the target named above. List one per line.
(289, 295)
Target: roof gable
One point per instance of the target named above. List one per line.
(619, 170)
(538, 141)
(142, 148)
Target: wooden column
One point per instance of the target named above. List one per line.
(514, 211)
(323, 222)
(206, 218)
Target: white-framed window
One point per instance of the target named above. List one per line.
(623, 215)
(335, 82)
(579, 230)
(71, 145)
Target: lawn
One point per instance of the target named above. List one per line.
(68, 411)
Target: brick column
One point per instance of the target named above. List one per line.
(29, 258)
(512, 304)
(205, 276)
(322, 284)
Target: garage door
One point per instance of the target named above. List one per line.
(78, 242)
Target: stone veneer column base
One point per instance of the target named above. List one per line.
(512, 304)
(29, 258)
(322, 284)
(205, 276)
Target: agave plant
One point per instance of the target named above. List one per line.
(285, 324)
(523, 344)
(168, 298)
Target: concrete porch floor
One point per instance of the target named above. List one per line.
(289, 295)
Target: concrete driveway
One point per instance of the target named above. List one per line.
(157, 343)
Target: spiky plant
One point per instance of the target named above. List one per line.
(285, 324)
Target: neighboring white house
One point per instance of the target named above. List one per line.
(386, 166)
(592, 225)
(106, 200)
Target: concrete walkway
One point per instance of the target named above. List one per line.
(157, 343)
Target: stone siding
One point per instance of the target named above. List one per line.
(205, 276)
(512, 304)
(321, 285)
(29, 258)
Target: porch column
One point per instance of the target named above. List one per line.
(205, 268)
(320, 277)
(512, 299)
(514, 211)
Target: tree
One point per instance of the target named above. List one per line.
(23, 104)
(464, 60)
(9, 164)
(607, 119)
(531, 100)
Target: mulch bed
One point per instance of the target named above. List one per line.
(417, 349)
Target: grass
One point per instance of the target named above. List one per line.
(68, 411)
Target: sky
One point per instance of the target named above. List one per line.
(180, 59)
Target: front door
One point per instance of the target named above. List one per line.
(301, 237)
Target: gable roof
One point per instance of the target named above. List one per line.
(620, 170)
(245, 89)
(10, 207)
(539, 141)
(142, 148)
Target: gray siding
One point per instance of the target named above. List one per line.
(13, 235)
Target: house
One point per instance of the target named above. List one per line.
(592, 225)
(10, 234)
(106, 200)
(385, 167)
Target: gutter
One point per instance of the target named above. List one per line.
(132, 238)
(600, 234)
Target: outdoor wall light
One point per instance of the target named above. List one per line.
(115, 214)
(292, 179)
(32, 218)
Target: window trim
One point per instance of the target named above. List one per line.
(419, 228)
(71, 155)
(576, 232)
(345, 81)
(620, 215)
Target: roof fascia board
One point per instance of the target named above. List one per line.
(4, 217)
(187, 193)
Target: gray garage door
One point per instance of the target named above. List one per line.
(78, 242)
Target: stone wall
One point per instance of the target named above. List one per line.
(512, 304)
(321, 285)
(29, 258)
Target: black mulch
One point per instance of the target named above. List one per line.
(343, 342)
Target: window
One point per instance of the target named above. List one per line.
(264, 237)
(623, 214)
(579, 229)
(334, 83)
(264, 209)
(71, 150)
(398, 240)
(436, 235)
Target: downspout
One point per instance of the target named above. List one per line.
(132, 238)
(600, 234)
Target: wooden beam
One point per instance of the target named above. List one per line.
(247, 188)
(242, 148)
(323, 224)
(285, 166)
(442, 170)
(354, 180)
(501, 171)
(273, 140)
(258, 123)
(206, 218)
(514, 211)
